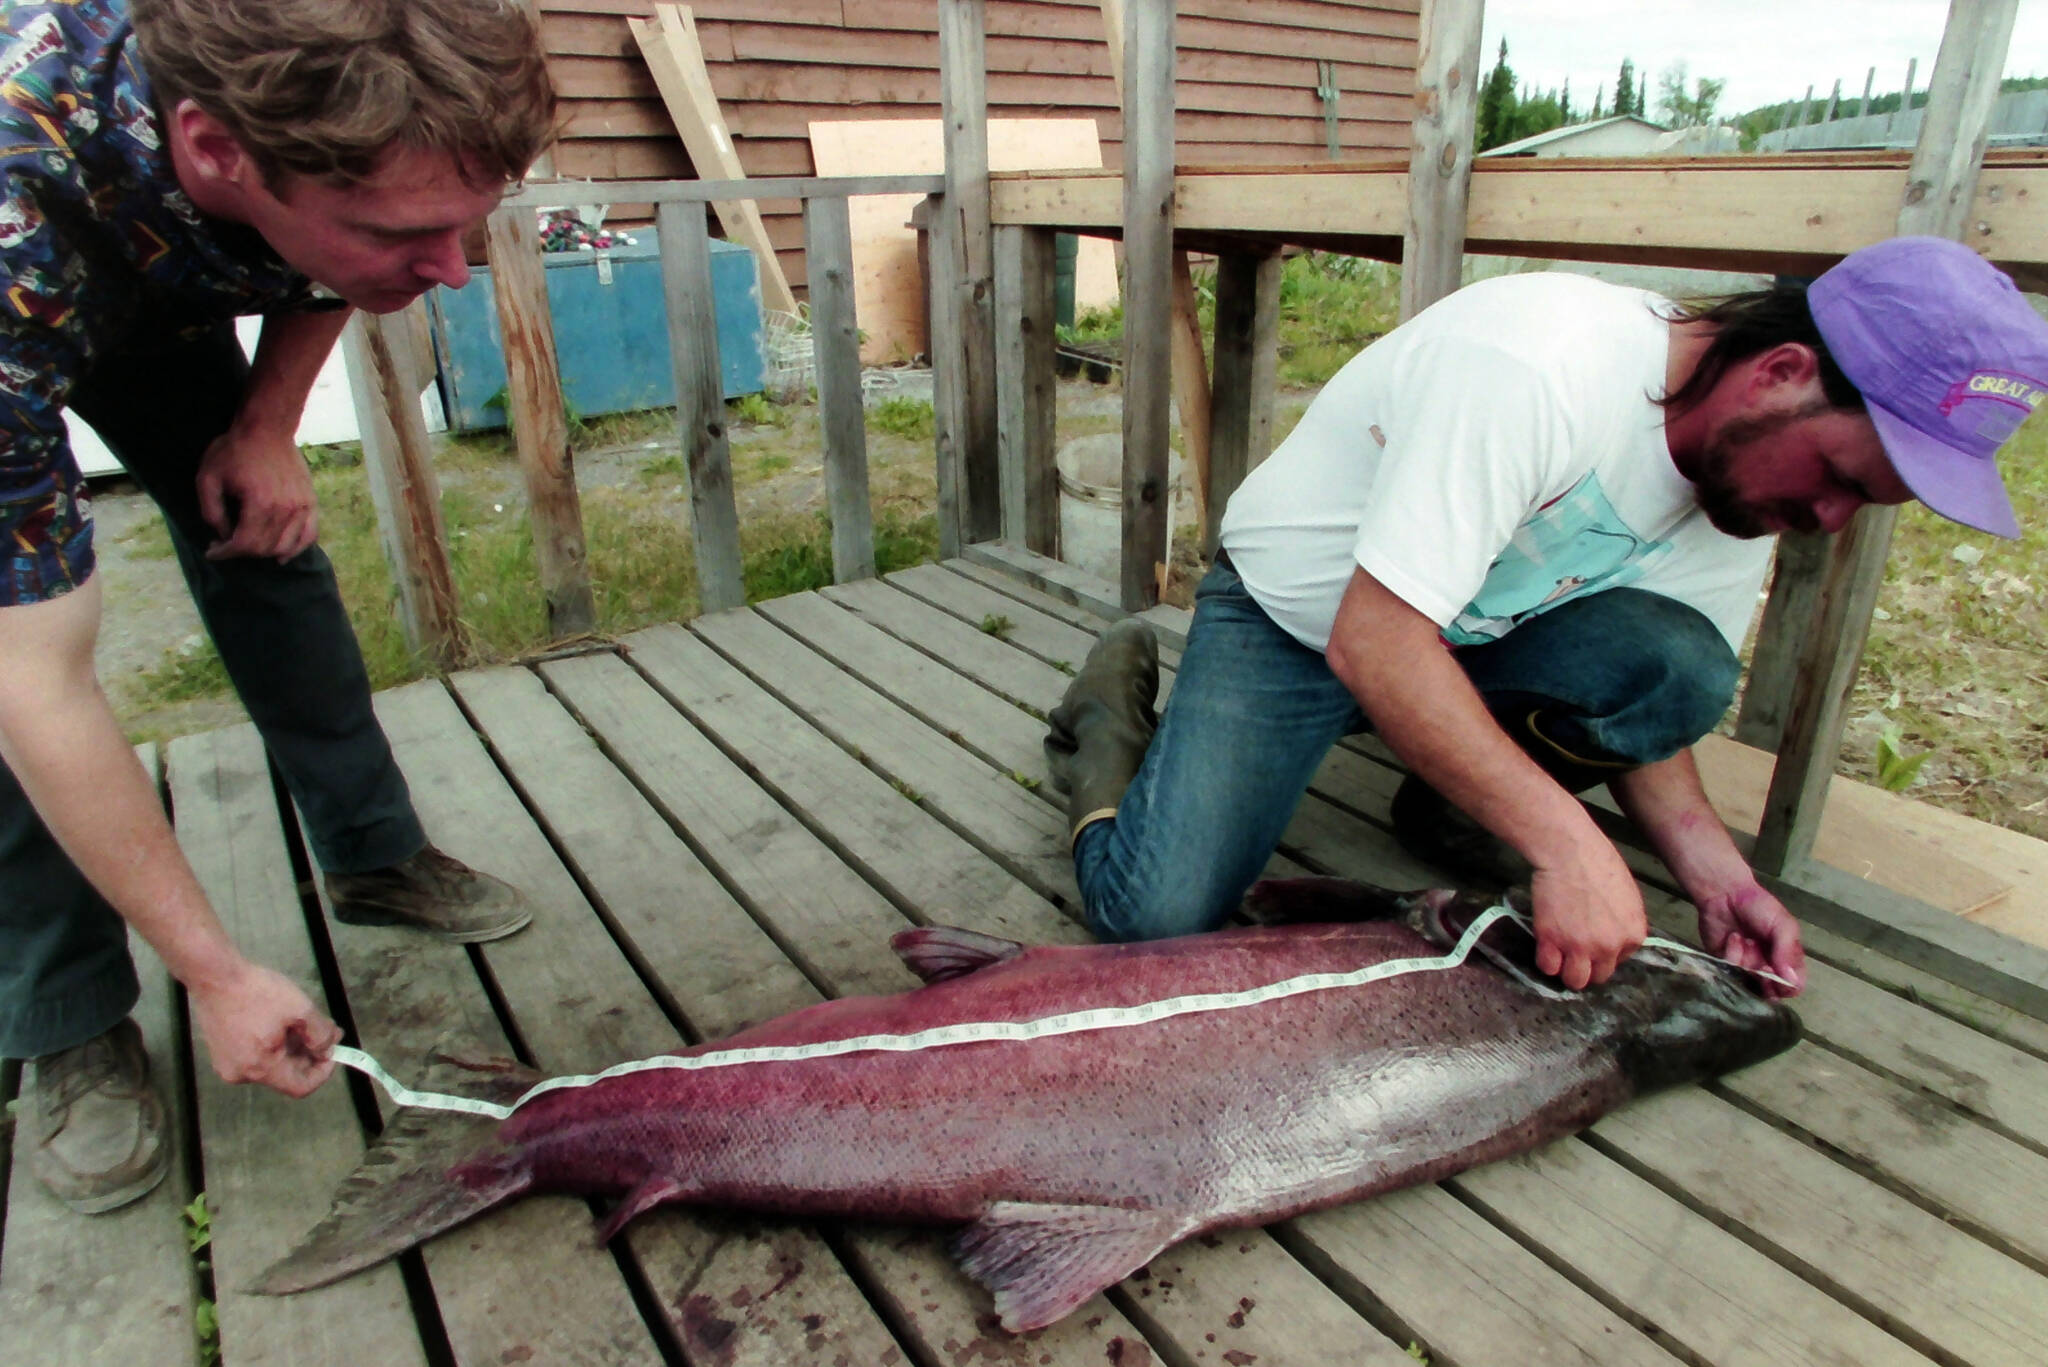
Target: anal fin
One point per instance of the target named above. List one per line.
(1041, 1261)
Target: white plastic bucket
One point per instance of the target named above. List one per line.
(1091, 473)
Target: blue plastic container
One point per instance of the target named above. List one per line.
(611, 333)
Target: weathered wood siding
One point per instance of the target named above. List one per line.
(1247, 87)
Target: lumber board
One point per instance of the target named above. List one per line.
(1027, 415)
(116, 1288)
(1012, 826)
(700, 405)
(963, 72)
(917, 861)
(1439, 1275)
(1902, 1266)
(1247, 376)
(1055, 577)
(777, 1288)
(675, 55)
(1793, 217)
(527, 1280)
(1148, 221)
(835, 333)
(1707, 1294)
(266, 1156)
(980, 651)
(1030, 628)
(1440, 156)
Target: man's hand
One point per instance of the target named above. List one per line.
(259, 1027)
(257, 495)
(1589, 916)
(1751, 929)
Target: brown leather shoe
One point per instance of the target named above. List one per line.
(97, 1131)
(431, 892)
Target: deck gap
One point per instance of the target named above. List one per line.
(1356, 1294)
(916, 1351)
(791, 950)
(1871, 1173)
(1564, 1268)
(1784, 1258)
(661, 1329)
(1007, 863)
(823, 834)
(1162, 1343)
(426, 1311)
(185, 1049)
(1996, 1126)
(10, 1088)
(664, 999)
(954, 737)
(361, 1092)
(1026, 708)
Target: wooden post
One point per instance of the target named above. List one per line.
(1834, 100)
(1149, 54)
(403, 490)
(1247, 362)
(949, 376)
(1789, 614)
(835, 337)
(1940, 186)
(1869, 80)
(1806, 107)
(963, 97)
(1026, 393)
(700, 403)
(1905, 96)
(540, 424)
(1440, 164)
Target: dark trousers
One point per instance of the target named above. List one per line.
(65, 973)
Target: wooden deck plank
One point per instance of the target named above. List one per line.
(1901, 1266)
(267, 1157)
(835, 926)
(526, 1283)
(1032, 628)
(119, 1287)
(916, 860)
(981, 651)
(116, 1288)
(1020, 831)
(761, 1293)
(1701, 1289)
(1462, 1288)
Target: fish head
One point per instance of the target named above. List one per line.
(1684, 1017)
(1673, 1016)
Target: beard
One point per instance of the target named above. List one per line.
(1713, 479)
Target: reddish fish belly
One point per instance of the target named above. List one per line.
(1221, 1118)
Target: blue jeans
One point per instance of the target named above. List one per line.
(1615, 680)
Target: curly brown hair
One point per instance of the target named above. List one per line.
(324, 88)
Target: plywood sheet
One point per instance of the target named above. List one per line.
(1888, 838)
(888, 293)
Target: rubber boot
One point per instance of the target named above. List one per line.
(1096, 738)
(1435, 830)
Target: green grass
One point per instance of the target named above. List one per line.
(913, 419)
(802, 562)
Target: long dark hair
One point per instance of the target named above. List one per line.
(1747, 324)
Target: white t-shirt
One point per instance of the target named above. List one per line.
(1495, 456)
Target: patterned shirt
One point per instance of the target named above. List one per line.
(97, 240)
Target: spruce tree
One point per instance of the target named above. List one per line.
(1625, 88)
(1496, 119)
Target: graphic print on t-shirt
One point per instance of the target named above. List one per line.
(1573, 545)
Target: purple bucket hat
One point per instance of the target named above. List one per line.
(1950, 360)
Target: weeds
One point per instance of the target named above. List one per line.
(758, 410)
(912, 419)
(198, 1240)
(998, 626)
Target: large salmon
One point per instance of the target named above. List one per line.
(1074, 1158)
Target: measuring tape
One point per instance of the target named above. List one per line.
(980, 1032)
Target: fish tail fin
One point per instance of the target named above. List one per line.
(428, 1172)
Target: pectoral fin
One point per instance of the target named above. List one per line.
(640, 1199)
(1042, 1261)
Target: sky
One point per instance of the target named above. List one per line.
(1767, 50)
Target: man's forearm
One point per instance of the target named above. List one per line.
(289, 353)
(62, 742)
(1669, 805)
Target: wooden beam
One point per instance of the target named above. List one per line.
(1247, 362)
(540, 424)
(1797, 214)
(1440, 164)
(835, 337)
(674, 55)
(564, 193)
(407, 498)
(949, 376)
(700, 403)
(1149, 51)
(1940, 189)
(1789, 614)
(963, 91)
(1026, 391)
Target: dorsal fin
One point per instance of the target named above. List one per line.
(936, 953)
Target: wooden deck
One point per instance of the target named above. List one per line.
(725, 822)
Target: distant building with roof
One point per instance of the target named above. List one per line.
(1623, 135)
